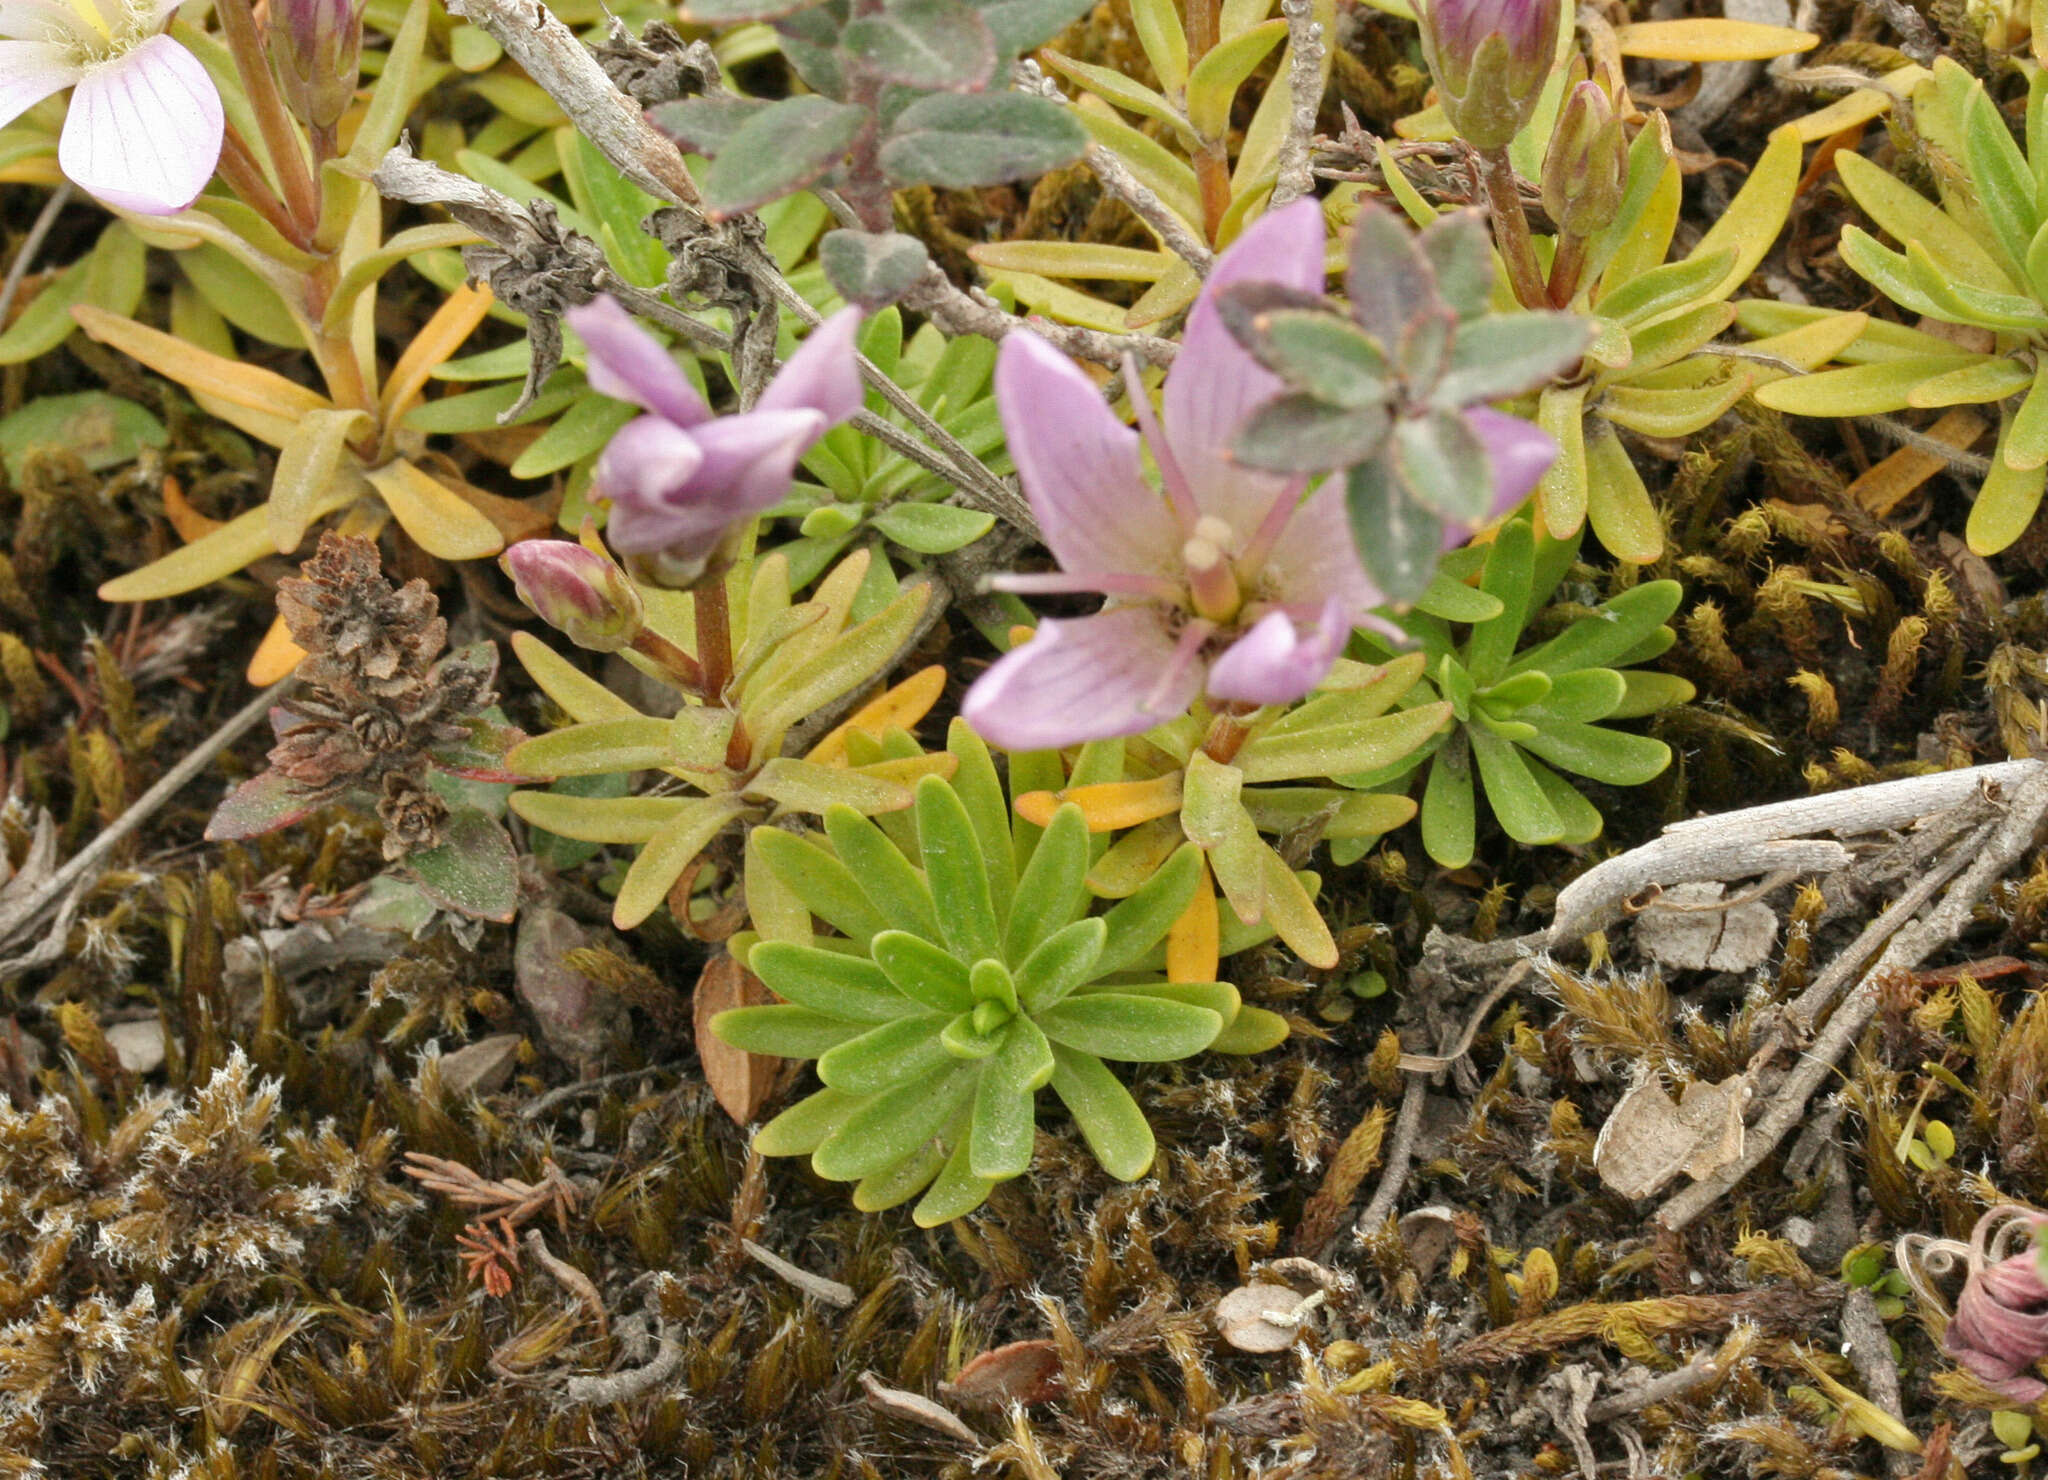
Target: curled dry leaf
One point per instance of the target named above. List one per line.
(741, 1082)
(1021, 1372)
(917, 1409)
(1648, 1140)
(1263, 1318)
(1428, 1234)
(578, 1018)
(482, 1067)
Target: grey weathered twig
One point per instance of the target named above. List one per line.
(31, 244)
(1305, 90)
(84, 867)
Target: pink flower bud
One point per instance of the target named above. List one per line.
(2001, 1323)
(1490, 59)
(1586, 168)
(315, 46)
(576, 591)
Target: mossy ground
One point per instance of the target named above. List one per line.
(215, 1269)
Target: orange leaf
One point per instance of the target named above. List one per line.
(902, 705)
(1108, 805)
(276, 656)
(1884, 484)
(186, 520)
(1194, 944)
(441, 335)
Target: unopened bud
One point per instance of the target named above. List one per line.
(1490, 59)
(1586, 168)
(576, 591)
(315, 49)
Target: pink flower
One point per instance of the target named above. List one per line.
(577, 591)
(1231, 584)
(144, 129)
(679, 479)
(2001, 1322)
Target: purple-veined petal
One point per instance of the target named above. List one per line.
(1313, 560)
(750, 459)
(144, 130)
(1081, 680)
(1214, 384)
(1519, 452)
(1079, 466)
(1275, 662)
(822, 375)
(644, 471)
(625, 362)
(29, 72)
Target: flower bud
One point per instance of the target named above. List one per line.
(576, 591)
(1586, 168)
(1490, 59)
(315, 46)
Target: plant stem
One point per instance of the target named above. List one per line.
(714, 635)
(280, 133)
(1511, 226)
(1212, 158)
(679, 665)
(1565, 267)
(245, 177)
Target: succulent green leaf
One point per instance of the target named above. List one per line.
(1066, 959)
(1443, 464)
(664, 856)
(902, 1052)
(1524, 811)
(1962, 303)
(2000, 177)
(880, 1191)
(1613, 756)
(799, 1130)
(826, 886)
(1646, 694)
(1397, 539)
(1509, 577)
(1616, 627)
(830, 982)
(1052, 890)
(807, 786)
(1342, 749)
(956, 1191)
(1861, 390)
(1004, 1113)
(891, 1125)
(1910, 216)
(1109, 1118)
(2026, 440)
(637, 744)
(784, 1030)
(1253, 1030)
(1117, 1025)
(1449, 807)
(1661, 290)
(1581, 819)
(1213, 84)
(1578, 697)
(932, 529)
(1220, 998)
(981, 792)
(959, 879)
(964, 1039)
(598, 819)
(2005, 503)
(1885, 270)
(901, 897)
(923, 972)
(1139, 922)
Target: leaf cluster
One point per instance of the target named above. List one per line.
(1516, 715)
(967, 974)
(792, 658)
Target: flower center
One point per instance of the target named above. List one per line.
(1213, 589)
(96, 31)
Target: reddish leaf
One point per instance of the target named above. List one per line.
(259, 805)
(1022, 1372)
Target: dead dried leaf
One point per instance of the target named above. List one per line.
(814, 1285)
(1429, 1234)
(740, 1081)
(1648, 1140)
(482, 1067)
(1022, 1372)
(917, 1409)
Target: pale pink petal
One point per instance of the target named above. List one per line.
(1276, 662)
(144, 130)
(643, 471)
(1079, 466)
(823, 375)
(1087, 679)
(1214, 385)
(1520, 453)
(750, 459)
(623, 361)
(1313, 560)
(29, 72)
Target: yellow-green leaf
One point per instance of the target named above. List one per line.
(580, 695)
(1910, 216)
(312, 477)
(197, 370)
(1074, 260)
(668, 853)
(2005, 504)
(1710, 39)
(240, 542)
(1618, 505)
(1860, 390)
(1757, 214)
(1561, 495)
(1991, 378)
(1213, 84)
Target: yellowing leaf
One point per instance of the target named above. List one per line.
(1710, 40)
(583, 697)
(1109, 806)
(1074, 260)
(1882, 486)
(1757, 214)
(241, 541)
(437, 517)
(312, 478)
(1193, 944)
(198, 370)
